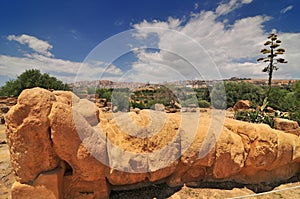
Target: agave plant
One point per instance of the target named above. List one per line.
(272, 58)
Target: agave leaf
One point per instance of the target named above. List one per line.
(274, 55)
(267, 43)
(266, 52)
(280, 60)
(274, 45)
(274, 38)
(281, 50)
(260, 59)
(271, 35)
(265, 69)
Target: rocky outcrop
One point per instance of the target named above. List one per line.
(242, 105)
(5, 104)
(287, 126)
(63, 147)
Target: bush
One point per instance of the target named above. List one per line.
(259, 116)
(203, 104)
(295, 116)
(121, 100)
(104, 93)
(255, 117)
(236, 91)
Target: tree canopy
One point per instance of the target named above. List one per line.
(29, 79)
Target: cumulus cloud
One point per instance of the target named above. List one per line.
(286, 9)
(39, 46)
(231, 50)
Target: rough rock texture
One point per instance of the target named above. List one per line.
(288, 126)
(59, 149)
(5, 104)
(241, 105)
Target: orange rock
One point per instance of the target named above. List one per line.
(242, 104)
(59, 151)
(287, 126)
(28, 133)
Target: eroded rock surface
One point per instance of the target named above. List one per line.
(64, 147)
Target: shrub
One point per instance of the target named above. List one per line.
(295, 116)
(203, 104)
(259, 116)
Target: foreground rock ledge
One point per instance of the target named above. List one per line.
(64, 147)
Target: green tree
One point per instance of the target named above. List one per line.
(29, 79)
(121, 100)
(236, 91)
(218, 96)
(272, 51)
(104, 93)
(278, 98)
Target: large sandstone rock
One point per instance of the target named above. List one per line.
(59, 150)
(28, 133)
(287, 126)
(242, 105)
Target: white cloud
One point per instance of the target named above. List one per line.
(39, 46)
(233, 49)
(225, 8)
(196, 6)
(42, 59)
(286, 9)
(65, 70)
(199, 47)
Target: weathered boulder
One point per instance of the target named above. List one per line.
(287, 126)
(88, 110)
(57, 151)
(241, 105)
(28, 132)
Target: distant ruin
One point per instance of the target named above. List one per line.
(64, 147)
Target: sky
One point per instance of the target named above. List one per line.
(146, 40)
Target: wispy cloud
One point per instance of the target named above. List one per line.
(196, 6)
(74, 33)
(39, 46)
(225, 8)
(286, 9)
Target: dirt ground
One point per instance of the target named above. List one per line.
(6, 174)
(288, 190)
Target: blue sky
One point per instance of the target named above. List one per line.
(66, 38)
